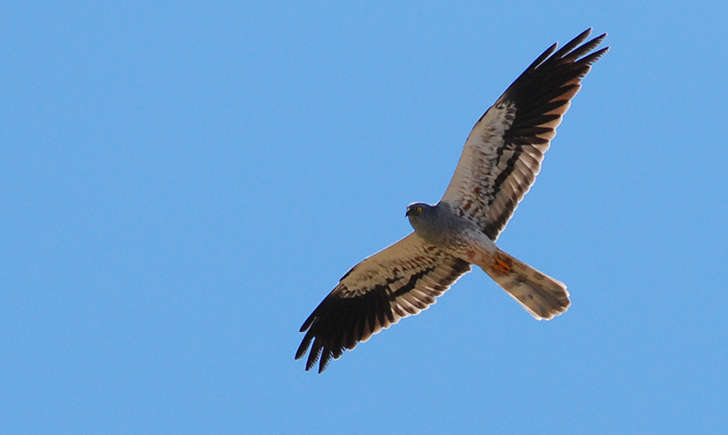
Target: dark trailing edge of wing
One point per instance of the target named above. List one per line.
(541, 95)
(341, 322)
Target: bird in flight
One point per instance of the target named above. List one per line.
(498, 165)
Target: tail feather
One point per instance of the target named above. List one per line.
(541, 295)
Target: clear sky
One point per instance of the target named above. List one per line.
(183, 183)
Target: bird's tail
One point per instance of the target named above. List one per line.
(543, 296)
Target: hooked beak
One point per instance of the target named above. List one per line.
(409, 210)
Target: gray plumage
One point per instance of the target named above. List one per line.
(437, 224)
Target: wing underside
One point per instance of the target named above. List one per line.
(397, 282)
(504, 151)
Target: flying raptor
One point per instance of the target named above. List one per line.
(498, 165)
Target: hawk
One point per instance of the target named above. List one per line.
(498, 165)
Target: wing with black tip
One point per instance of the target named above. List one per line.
(397, 282)
(503, 153)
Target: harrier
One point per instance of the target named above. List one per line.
(498, 165)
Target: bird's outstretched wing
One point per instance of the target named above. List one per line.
(396, 282)
(503, 153)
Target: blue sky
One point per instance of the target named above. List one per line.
(184, 183)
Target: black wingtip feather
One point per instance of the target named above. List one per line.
(307, 322)
(315, 353)
(303, 347)
(590, 59)
(566, 49)
(324, 361)
(583, 49)
(543, 56)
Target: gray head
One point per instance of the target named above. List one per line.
(434, 223)
(417, 210)
(422, 217)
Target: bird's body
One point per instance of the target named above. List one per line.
(440, 226)
(499, 163)
(541, 295)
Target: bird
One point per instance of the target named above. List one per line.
(499, 162)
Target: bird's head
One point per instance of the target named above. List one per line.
(418, 210)
(424, 218)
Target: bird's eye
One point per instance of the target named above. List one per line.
(419, 209)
